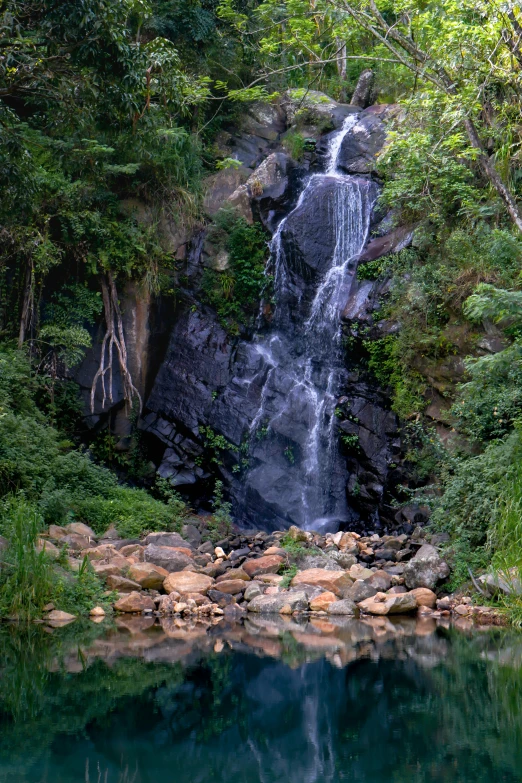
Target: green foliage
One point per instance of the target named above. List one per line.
(236, 292)
(287, 571)
(26, 576)
(350, 441)
(289, 454)
(65, 483)
(389, 365)
(294, 548)
(219, 525)
(295, 145)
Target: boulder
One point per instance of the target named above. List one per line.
(134, 602)
(220, 186)
(424, 597)
(167, 557)
(426, 569)
(191, 534)
(80, 529)
(234, 613)
(166, 539)
(187, 582)
(52, 551)
(358, 571)
(269, 564)
(76, 541)
(56, 617)
(360, 148)
(322, 602)
(97, 611)
(381, 580)
(232, 586)
(361, 590)
(382, 604)
(253, 589)
(505, 582)
(56, 532)
(334, 581)
(148, 575)
(100, 552)
(121, 584)
(343, 607)
(221, 599)
(281, 603)
(234, 573)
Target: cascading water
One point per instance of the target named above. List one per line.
(298, 365)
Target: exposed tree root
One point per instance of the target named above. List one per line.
(113, 339)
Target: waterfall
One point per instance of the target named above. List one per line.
(314, 251)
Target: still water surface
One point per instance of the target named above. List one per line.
(274, 701)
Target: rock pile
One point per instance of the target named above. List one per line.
(284, 572)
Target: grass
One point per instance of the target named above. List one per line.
(26, 578)
(29, 579)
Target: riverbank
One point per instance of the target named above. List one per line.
(285, 573)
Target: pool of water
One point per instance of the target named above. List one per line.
(273, 700)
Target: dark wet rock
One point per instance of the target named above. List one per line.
(220, 598)
(359, 150)
(284, 603)
(363, 89)
(191, 534)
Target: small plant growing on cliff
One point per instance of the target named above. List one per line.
(289, 454)
(351, 441)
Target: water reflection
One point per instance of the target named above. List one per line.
(274, 700)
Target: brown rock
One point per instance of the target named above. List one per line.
(134, 602)
(322, 602)
(97, 612)
(276, 550)
(104, 570)
(187, 582)
(231, 586)
(463, 610)
(56, 617)
(56, 532)
(184, 550)
(101, 552)
(121, 584)
(132, 549)
(221, 599)
(148, 575)
(76, 542)
(333, 581)
(424, 596)
(382, 604)
(78, 528)
(268, 564)
(233, 573)
(50, 550)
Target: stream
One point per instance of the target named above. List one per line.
(273, 701)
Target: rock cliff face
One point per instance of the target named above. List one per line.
(269, 392)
